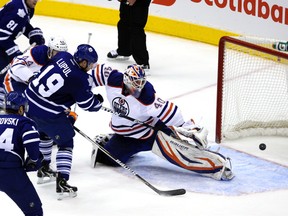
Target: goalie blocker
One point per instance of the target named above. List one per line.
(183, 152)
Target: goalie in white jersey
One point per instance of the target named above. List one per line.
(131, 95)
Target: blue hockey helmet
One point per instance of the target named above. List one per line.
(14, 100)
(86, 52)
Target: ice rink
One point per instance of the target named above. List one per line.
(184, 72)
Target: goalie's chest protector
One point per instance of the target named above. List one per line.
(129, 106)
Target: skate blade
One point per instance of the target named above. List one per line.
(67, 195)
(227, 176)
(119, 58)
(46, 179)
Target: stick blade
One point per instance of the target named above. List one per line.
(176, 192)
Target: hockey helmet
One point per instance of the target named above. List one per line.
(86, 52)
(14, 100)
(135, 79)
(57, 43)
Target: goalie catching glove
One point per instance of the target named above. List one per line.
(194, 132)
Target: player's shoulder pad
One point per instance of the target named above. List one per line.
(15, 6)
(147, 95)
(25, 119)
(10, 9)
(22, 121)
(39, 54)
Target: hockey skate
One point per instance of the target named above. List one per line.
(45, 174)
(113, 55)
(63, 189)
(226, 173)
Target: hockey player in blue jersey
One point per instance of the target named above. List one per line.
(19, 137)
(60, 84)
(130, 94)
(24, 67)
(15, 19)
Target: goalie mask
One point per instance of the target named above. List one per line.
(134, 79)
(56, 43)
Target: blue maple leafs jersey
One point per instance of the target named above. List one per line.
(14, 21)
(58, 86)
(17, 133)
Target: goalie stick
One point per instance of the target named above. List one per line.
(160, 192)
(127, 117)
(8, 66)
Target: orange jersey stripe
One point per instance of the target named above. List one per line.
(7, 84)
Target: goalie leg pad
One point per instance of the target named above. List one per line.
(187, 156)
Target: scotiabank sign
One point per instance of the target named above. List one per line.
(263, 18)
(257, 8)
(164, 2)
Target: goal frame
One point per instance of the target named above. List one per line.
(221, 51)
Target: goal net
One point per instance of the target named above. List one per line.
(252, 88)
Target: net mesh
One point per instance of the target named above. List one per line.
(254, 89)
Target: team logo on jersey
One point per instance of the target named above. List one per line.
(21, 13)
(120, 106)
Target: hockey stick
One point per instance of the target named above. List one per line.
(8, 66)
(160, 192)
(89, 37)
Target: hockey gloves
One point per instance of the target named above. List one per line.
(36, 35)
(72, 116)
(31, 165)
(99, 97)
(97, 104)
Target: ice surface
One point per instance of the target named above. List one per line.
(185, 72)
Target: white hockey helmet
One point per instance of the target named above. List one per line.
(134, 79)
(57, 43)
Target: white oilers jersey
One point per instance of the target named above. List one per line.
(148, 108)
(23, 67)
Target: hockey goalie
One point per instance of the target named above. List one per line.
(142, 121)
(185, 148)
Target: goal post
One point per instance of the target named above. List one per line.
(252, 88)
